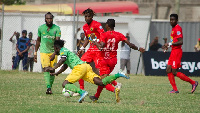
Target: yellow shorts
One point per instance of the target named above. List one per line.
(45, 60)
(82, 71)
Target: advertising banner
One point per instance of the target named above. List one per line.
(155, 63)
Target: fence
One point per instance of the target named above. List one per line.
(137, 26)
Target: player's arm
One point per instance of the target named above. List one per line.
(62, 69)
(133, 46)
(26, 49)
(100, 45)
(36, 48)
(86, 41)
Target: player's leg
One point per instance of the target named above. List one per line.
(45, 61)
(171, 79)
(186, 78)
(28, 63)
(177, 64)
(52, 64)
(77, 73)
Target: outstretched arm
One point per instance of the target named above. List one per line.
(133, 46)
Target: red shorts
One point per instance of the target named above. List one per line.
(90, 56)
(175, 58)
(106, 66)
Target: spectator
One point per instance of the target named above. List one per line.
(23, 45)
(154, 45)
(14, 42)
(80, 43)
(125, 56)
(197, 47)
(30, 60)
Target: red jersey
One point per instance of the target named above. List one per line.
(175, 34)
(94, 27)
(111, 40)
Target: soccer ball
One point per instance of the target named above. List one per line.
(67, 93)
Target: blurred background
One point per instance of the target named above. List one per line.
(142, 19)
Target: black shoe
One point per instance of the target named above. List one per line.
(49, 91)
(94, 99)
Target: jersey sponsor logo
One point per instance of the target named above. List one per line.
(178, 32)
(171, 39)
(100, 27)
(47, 36)
(172, 32)
(62, 53)
(91, 29)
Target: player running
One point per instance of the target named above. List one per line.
(108, 46)
(174, 62)
(47, 34)
(80, 70)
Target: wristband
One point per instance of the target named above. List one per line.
(169, 44)
(35, 53)
(82, 48)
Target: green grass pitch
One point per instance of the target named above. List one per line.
(25, 92)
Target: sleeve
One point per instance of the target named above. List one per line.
(102, 38)
(39, 32)
(122, 37)
(58, 32)
(63, 54)
(179, 33)
(99, 28)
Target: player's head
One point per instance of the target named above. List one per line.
(24, 33)
(49, 19)
(30, 35)
(110, 24)
(173, 19)
(82, 35)
(58, 44)
(88, 13)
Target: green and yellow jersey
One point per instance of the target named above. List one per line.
(48, 37)
(71, 58)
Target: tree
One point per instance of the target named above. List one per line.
(11, 2)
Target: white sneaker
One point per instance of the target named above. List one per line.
(119, 85)
(76, 94)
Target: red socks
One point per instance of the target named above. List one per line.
(114, 83)
(109, 87)
(172, 81)
(81, 82)
(185, 78)
(99, 90)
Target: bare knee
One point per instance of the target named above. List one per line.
(98, 81)
(169, 69)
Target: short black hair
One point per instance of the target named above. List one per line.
(59, 43)
(24, 31)
(111, 23)
(174, 15)
(30, 33)
(90, 11)
(49, 13)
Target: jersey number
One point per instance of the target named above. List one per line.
(111, 44)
